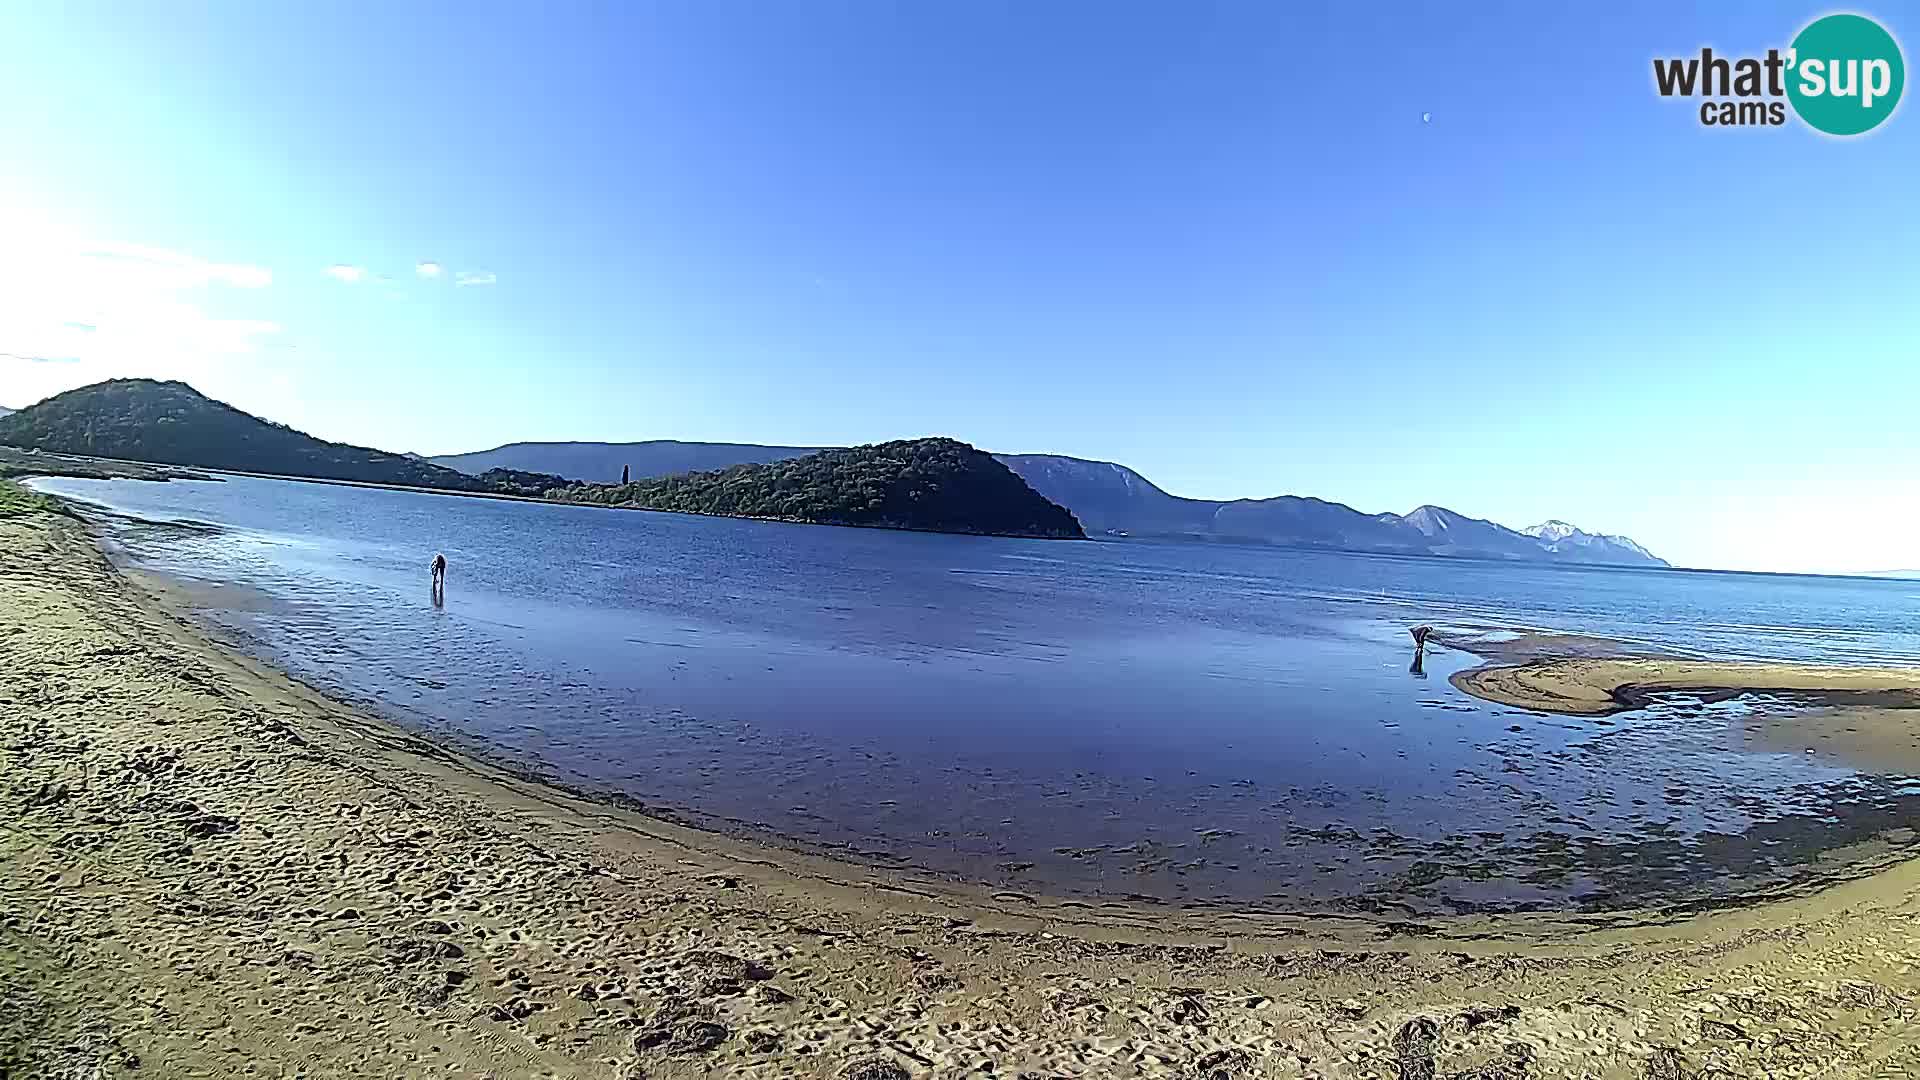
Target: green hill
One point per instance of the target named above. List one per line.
(171, 423)
(934, 485)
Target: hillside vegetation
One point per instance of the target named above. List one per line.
(940, 485)
(171, 423)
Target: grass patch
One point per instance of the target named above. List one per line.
(18, 501)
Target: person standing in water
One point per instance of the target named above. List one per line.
(439, 571)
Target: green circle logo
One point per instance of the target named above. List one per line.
(1845, 74)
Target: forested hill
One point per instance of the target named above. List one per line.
(171, 423)
(935, 485)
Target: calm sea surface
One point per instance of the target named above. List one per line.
(1188, 722)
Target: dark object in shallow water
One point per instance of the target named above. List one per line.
(1420, 636)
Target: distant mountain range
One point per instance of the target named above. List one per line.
(1113, 499)
(933, 484)
(4, 411)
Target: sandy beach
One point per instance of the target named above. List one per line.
(212, 870)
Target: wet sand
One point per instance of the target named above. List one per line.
(1598, 687)
(1869, 739)
(207, 869)
(1865, 717)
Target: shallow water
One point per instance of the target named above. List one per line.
(1189, 722)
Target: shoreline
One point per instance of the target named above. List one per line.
(92, 468)
(1630, 680)
(394, 896)
(1813, 861)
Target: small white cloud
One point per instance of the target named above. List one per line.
(180, 269)
(351, 275)
(474, 277)
(428, 269)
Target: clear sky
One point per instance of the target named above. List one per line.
(1213, 241)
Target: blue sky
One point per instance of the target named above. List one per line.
(1212, 241)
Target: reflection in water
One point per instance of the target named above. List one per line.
(1186, 722)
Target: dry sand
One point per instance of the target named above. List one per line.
(207, 869)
